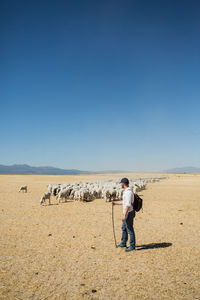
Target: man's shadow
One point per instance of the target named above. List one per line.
(153, 246)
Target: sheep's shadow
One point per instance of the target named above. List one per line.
(64, 202)
(153, 246)
(51, 204)
(56, 203)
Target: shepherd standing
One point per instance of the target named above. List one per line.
(127, 217)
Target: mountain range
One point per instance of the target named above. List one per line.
(183, 170)
(26, 169)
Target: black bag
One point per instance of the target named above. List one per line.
(137, 204)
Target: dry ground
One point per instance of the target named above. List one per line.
(67, 251)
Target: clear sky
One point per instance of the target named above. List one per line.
(98, 85)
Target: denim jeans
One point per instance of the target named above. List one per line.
(127, 229)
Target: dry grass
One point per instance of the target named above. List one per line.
(67, 251)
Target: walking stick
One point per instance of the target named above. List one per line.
(113, 225)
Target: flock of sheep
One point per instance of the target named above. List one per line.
(87, 191)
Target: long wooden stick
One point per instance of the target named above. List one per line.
(113, 225)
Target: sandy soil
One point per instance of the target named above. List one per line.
(67, 251)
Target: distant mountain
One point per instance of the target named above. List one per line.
(113, 172)
(26, 169)
(183, 170)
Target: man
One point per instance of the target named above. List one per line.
(128, 216)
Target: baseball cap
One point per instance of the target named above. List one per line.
(124, 180)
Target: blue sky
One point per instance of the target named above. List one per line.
(99, 85)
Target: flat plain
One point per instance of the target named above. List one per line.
(67, 251)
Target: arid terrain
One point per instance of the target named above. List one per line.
(67, 251)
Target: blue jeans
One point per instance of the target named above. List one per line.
(127, 229)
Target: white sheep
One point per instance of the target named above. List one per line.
(23, 188)
(46, 196)
(85, 195)
(64, 193)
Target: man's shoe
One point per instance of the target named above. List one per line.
(121, 246)
(129, 249)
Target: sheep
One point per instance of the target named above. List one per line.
(46, 196)
(99, 193)
(119, 194)
(72, 194)
(63, 193)
(23, 188)
(110, 195)
(139, 186)
(49, 188)
(85, 195)
(77, 195)
(93, 194)
(55, 189)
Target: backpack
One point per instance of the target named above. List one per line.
(137, 204)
